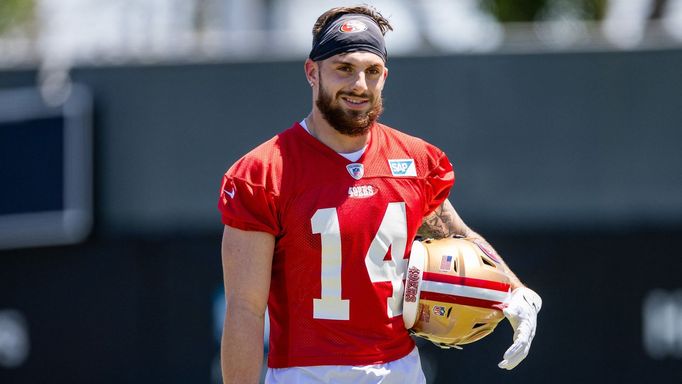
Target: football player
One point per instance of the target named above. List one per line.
(319, 222)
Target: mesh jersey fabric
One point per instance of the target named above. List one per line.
(302, 192)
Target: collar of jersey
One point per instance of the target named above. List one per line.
(327, 151)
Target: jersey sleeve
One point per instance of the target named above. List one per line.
(439, 181)
(249, 205)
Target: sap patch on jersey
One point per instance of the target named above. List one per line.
(402, 167)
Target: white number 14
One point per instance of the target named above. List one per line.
(392, 234)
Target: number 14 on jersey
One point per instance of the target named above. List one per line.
(392, 234)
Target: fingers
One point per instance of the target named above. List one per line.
(518, 351)
(521, 311)
(515, 354)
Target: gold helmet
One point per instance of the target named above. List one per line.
(453, 291)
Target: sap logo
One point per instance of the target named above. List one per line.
(362, 191)
(402, 167)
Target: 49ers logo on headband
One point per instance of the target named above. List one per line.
(352, 26)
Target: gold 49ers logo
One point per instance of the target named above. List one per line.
(412, 284)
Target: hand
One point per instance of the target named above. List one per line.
(521, 310)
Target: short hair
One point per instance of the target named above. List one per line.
(334, 13)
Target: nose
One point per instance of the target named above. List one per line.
(360, 83)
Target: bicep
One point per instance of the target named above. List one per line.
(247, 264)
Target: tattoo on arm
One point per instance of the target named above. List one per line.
(440, 223)
(445, 222)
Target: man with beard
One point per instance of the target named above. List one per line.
(319, 222)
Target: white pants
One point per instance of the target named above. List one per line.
(407, 370)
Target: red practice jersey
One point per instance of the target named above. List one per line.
(343, 235)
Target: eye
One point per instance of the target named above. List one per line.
(345, 68)
(374, 71)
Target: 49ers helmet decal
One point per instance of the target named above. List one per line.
(454, 290)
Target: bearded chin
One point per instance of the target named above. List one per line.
(349, 123)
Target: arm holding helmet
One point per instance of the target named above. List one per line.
(446, 222)
(524, 304)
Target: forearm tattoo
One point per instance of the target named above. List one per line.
(440, 223)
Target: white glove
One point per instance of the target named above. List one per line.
(522, 311)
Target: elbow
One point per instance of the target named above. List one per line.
(244, 308)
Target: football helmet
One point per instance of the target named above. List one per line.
(454, 291)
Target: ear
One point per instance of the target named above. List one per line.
(312, 72)
(383, 80)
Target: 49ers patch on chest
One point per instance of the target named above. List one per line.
(362, 191)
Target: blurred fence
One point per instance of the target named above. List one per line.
(568, 162)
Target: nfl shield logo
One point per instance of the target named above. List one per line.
(356, 170)
(438, 310)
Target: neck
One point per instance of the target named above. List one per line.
(340, 143)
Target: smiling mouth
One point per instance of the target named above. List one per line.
(355, 101)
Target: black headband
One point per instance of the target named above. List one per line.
(349, 33)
